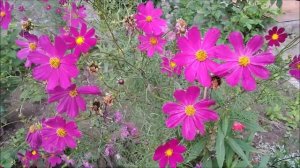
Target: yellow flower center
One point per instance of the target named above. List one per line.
(73, 93)
(169, 152)
(244, 61)
(172, 64)
(32, 46)
(298, 66)
(149, 18)
(201, 55)
(2, 13)
(54, 62)
(190, 110)
(275, 36)
(79, 40)
(33, 152)
(153, 40)
(61, 132)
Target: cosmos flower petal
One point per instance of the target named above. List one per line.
(254, 44)
(188, 129)
(45, 43)
(224, 52)
(89, 90)
(205, 103)
(175, 119)
(21, 43)
(60, 46)
(200, 125)
(23, 53)
(194, 37)
(90, 33)
(163, 162)
(191, 72)
(192, 93)
(41, 72)
(81, 103)
(211, 37)
(236, 39)
(52, 81)
(159, 153)
(234, 77)
(263, 59)
(203, 75)
(171, 108)
(248, 82)
(259, 71)
(83, 29)
(208, 115)
(63, 104)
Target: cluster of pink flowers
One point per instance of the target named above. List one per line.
(55, 63)
(149, 20)
(201, 59)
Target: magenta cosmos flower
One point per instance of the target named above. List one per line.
(169, 153)
(148, 19)
(295, 67)
(54, 159)
(54, 66)
(34, 137)
(5, 14)
(151, 43)
(238, 127)
(70, 99)
(196, 55)
(58, 134)
(244, 62)
(276, 36)
(81, 41)
(169, 67)
(189, 112)
(32, 154)
(74, 16)
(30, 45)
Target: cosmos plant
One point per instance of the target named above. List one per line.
(199, 59)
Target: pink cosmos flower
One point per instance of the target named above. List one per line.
(70, 99)
(197, 55)
(276, 36)
(148, 19)
(48, 7)
(238, 127)
(32, 154)
(169, 67)
(24, 160)
(5, 14)
(189, 112)
(81, 41)
(58, 11)
(54, 159)
(244, 62)
(54, 66)
(58, 134)
(169, 153)
(29, 46)
(295, 67)
(21, 8)
(151, 43)
(34, 137)
(75, 16)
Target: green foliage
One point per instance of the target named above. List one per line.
(9, 151)
(12, 69)
(248, 16)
